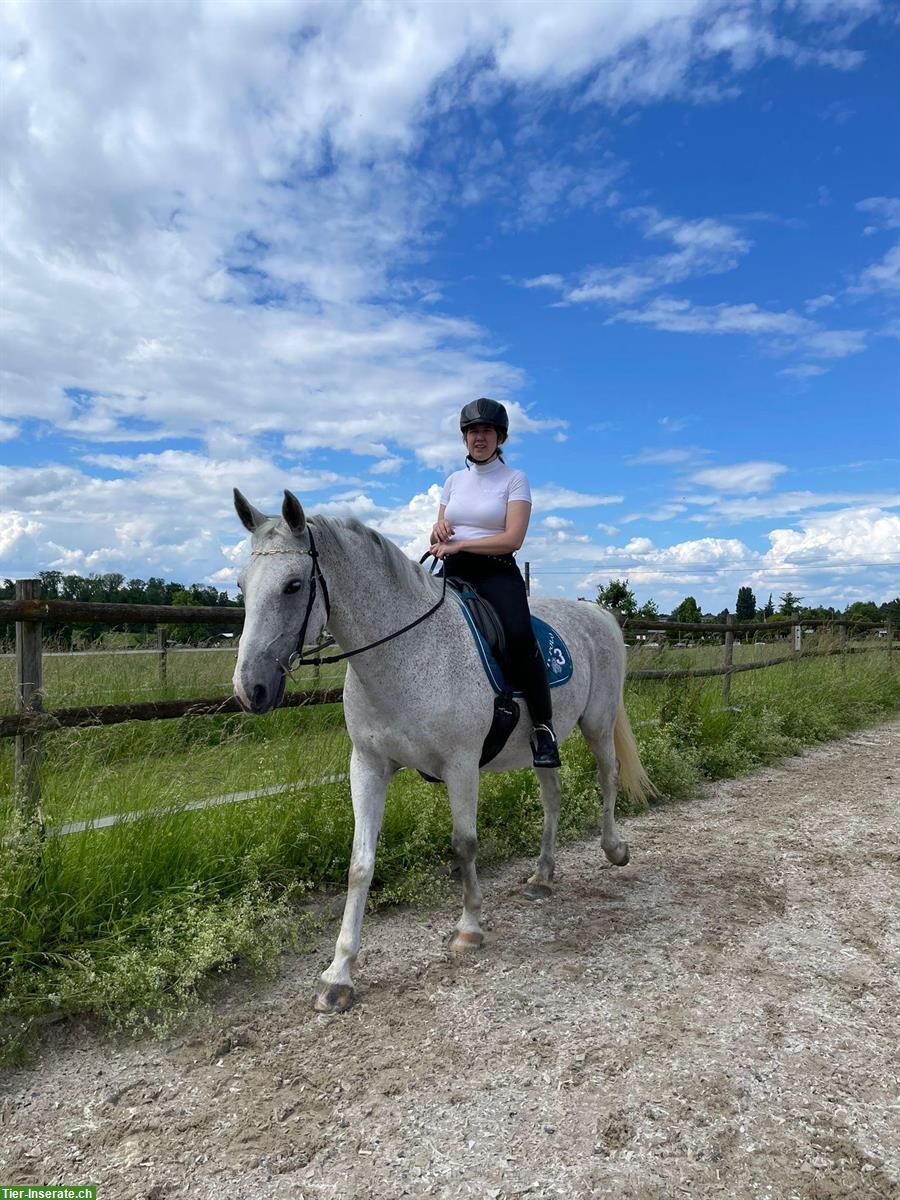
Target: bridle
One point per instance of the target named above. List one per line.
(298, 658)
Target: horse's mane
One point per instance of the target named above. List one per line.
(403, 573)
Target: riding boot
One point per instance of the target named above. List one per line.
(534, 685)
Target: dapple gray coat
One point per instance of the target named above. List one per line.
(421, 700)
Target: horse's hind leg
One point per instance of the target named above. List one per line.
(538, 886)
(369, 779)
(601, 743)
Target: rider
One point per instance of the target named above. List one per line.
(481, 522)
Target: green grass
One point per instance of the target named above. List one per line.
(72, 680)
(130, 922)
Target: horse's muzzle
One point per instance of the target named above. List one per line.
(260, 699)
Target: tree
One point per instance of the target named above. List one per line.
(863, 610)
(687, 610)
(185, 633)
(155, 591)
(769, 610)
(51, 583)
(618, 597)
(649, 611)
(745, 605)
(790, 604)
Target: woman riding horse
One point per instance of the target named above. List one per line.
(482, 521)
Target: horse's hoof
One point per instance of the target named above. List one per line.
(537, 891)
(463, 942)
(620, 856)
(333, 998)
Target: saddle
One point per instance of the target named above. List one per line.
(490, 638)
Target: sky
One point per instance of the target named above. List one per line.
(280, 243)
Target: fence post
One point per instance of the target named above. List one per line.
(798, 639)
(729, 657)
(29, 698)
(527, 578)
(843, 637)
(890, 639)
(162, 641)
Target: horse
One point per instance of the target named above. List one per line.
(420, 701)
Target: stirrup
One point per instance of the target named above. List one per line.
(544, 747)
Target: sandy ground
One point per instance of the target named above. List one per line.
(718, 1018)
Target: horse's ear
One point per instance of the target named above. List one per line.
(292, 511)
(251, 518)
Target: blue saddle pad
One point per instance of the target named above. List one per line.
(556, 654)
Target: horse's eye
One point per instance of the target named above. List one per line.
(294, 586)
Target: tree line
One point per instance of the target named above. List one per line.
(113, 588)
(618, 597)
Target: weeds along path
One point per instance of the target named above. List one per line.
(717, 1019)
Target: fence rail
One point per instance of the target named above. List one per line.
(30, 612)
(65, 612)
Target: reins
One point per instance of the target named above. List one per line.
(298, 658)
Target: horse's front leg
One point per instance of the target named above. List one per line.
(369, 779)
(462, 790)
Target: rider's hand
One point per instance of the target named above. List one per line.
(442, 531)
(444, 549)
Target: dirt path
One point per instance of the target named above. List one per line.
(719, 1018)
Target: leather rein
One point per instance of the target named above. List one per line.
(298, 658)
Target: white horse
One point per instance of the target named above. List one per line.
(418, 700)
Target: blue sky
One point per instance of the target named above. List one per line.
(664, 233)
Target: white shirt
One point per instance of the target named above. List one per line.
(475, 499)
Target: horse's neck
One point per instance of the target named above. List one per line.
(366, 603)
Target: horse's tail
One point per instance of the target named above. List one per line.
(633, 779)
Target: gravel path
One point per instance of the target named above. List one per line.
(719, 1018)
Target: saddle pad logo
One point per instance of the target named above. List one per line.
(554, 655)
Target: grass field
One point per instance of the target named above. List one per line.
(128, 922)
(120, 677)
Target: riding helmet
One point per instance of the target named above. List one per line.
(484, 412)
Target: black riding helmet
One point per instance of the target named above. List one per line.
(485, 412)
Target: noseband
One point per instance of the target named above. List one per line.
(298, 658)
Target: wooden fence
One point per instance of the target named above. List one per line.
(30, 613)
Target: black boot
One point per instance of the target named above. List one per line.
(544, 746)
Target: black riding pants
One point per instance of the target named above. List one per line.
(498, 579)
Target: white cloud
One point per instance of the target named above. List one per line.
(549, 281)
(740, 477)
(8, 431)
(386, 466)
(885, 209)
(851, 535)
(700, 247)
(803, 371)
(781, 504)
(551, 496)
(818, 302)
(784, 330)
(15, 528)
(167, 513)
(674, 424)
(654, 458)
(880, 276)
(664, 512)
